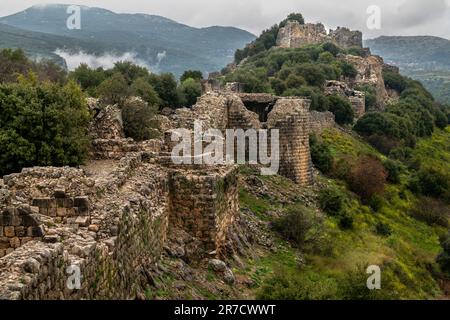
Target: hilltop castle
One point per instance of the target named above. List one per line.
(295, 35)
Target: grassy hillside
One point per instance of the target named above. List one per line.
(331, 263)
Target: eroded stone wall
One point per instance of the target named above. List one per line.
(296, 35)
(321, 121)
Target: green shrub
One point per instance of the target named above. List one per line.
(321, 155)
(341, 108)
(403, 154)
(286, 284)
(141, 88)
(376, 203)
(331, 201)
(42, 124)
(139, 120)
(430, 182)
(348, 70)
(114, 90)
(395, 81)
(353, 286)
(394, 170)
(296, 225)
(345, 221)
(190, 90)
(383, 229)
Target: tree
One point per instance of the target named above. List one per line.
(42, 124)
(348, 70)
(166, 87)
(394, 81)
(341, 108)
(13, 63)
(320, 155)
(141, 88)
(130, 71)
(294, 81)
(293, 17)
(193, 74)
(139, 120)
(191, 90)
(89, 79)
(114, 90)
(312, 73)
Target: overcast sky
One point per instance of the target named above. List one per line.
(398, 17)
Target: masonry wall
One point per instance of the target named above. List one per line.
(291, 117)
(204, 206)
(321, 121)
(17, 227)
(112, 265)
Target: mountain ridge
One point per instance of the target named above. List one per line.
(185, 47)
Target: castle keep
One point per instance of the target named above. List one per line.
(296, 35)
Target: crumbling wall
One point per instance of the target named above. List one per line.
(346, 38)
(321, 121)
(204, 206)
(18, 225)
(370, 72)
(296, 35)
(112, 266)
(357, 98)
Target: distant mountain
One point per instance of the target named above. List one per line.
(157, 41)
(424, 58)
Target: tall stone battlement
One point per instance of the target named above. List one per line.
(295, 35)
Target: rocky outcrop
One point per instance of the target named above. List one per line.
(369, 72)
(296, 35)
(356, 98)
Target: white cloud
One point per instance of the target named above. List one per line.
(106, 60)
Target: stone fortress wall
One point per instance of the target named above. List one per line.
(295, 35)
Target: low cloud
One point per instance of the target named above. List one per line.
(106, 60)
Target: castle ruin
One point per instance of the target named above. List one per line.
(112, 218)
(296, 35)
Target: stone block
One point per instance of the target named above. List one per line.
(14, 242)
(41, 202)
(82, 203)
(35, 232)
(82, 221)
(9, 232)
(61, 212)
(20, 231)
(4, 243)
(59, 193)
